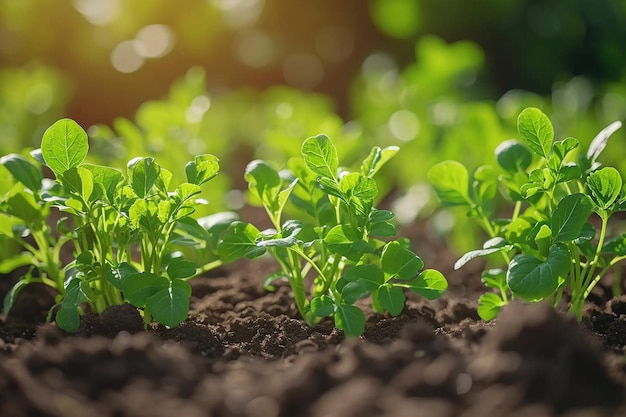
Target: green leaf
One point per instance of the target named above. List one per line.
(180, 269)
(616, 245)
(489, 306)
(23, 170)
(451, 182)
(239, 240)
(513, 157)
(343, 239)
(320, 156)
(543, 239)
(376, 159)
(322, 306)
(563, 147)
(570, 216)
(23, 206)
(536, 131)
(532, 279)
(377, 216)
(382, 229)
(138, 288)
(391, 299)
(6, 225)
(263, 180)
(430, 284)
(367, 276)
(494, 245)
(605, 185)
(289, 236)
(117, 274)
(10, 297)
(170, 306)
(202, 169)
(569, 172)
(9, 264)
(64, 146)
(78, 181)
(494, 278)
(350, 319)
(143, 173)
(400, 262)
(358, 186)
(352, 291)
(107, 179)
(67, 317)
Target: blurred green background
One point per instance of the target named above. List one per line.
(253, 78)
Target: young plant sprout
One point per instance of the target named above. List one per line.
(337, 237)
(124, 228)
(551, 244)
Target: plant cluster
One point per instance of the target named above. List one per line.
(556, 239)
(124, 229)
(335, 242)
(127, 232)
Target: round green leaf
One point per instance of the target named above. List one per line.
(400, 262)
(64, 146)
(368, 276)
(350, 319)
(450, 181)
(322, 306)
(513, 157)
(532, 279)
(569, 217)
(23, 170)
(138, 288)
(430, 284)
(489, 306)
(605, 185)
(536, 131)
(391, 299)
(170, 306)
(320, 156)
(239, 240)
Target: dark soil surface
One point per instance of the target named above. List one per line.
(245, 352)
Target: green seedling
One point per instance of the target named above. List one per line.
(29, 238)
(555, 240)
(336, 239)
(125, 229)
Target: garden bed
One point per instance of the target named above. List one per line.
(245, 352)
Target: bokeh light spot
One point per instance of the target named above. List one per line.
(39, 98)
(255, 49)
(404, 125)
(238, 14)
(304, 71)
(396, 18)
(284, 110)
(125, 58)
(154, 41)
(378, 63)
(196, 110)
(98, 12)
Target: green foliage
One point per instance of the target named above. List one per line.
(238, 125)
(549, 243)
(112, 217)
(31, 98)
(336, 239)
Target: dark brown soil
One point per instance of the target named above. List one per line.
(245, 352)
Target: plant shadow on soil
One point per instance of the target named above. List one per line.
(245, 352)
